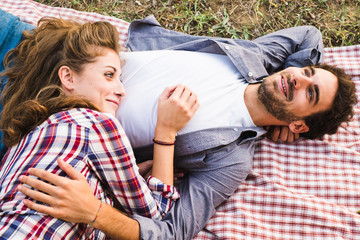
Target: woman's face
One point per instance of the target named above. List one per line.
(99, 81)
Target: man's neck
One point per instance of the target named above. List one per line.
(260, 116)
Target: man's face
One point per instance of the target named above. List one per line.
(295, 93)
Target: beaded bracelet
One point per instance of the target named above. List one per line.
(164, 143)
(97, 214)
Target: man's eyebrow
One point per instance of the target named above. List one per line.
(317, 94)
(312, 69)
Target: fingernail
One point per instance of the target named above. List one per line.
(19, 188)
(21, 178)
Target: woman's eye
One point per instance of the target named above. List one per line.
(109, 74)
(307, 73)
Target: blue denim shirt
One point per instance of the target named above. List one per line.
(219, 159)
(10, 36)
(297, 46)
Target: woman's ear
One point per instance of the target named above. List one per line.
(66, 76)
(298, 126)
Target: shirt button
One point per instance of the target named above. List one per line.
(250, 74)
(227, 47)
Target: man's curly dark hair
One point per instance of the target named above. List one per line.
(327, 122)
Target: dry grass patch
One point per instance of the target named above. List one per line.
(338, 20)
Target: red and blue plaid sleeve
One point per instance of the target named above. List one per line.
(112, 159)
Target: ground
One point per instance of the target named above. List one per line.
(338, 20)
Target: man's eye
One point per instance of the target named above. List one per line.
(307, 73)
(310, 94)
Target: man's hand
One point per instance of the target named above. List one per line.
(282, 133)
(69, 200)
(146, 167)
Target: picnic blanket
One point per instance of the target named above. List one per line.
(309, 189)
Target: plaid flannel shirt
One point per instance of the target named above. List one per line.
(96, 145)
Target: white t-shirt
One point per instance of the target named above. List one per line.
(212, 77)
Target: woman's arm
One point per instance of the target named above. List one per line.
(111, 158)
(74, 201)
(170, 119)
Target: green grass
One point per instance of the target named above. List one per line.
(338, 20)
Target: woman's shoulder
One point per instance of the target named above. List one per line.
(81, 116)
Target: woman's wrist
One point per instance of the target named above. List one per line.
(164, 134)
(164, 143)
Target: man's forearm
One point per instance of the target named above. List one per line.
(116, 225)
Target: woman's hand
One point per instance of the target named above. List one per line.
(177, 105)
(69, 200)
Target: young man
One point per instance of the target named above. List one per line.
(216, 147)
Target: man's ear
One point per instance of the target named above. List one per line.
(298, 126)
(66, 76)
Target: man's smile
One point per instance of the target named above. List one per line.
(283, 84)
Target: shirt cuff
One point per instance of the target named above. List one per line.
(163, 193)
(165, 190)
(303, 58)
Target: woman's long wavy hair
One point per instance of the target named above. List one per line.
(33, 91)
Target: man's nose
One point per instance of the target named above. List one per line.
(301, 81)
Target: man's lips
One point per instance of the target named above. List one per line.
(283, 85)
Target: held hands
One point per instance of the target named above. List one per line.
(177, 105)
(281, 133)
(69, 200)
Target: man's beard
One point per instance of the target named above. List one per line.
(275, 106)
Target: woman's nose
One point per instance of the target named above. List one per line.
(120, 90)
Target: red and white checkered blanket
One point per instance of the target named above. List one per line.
(305, 190)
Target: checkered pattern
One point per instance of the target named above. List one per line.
(95, 145)
(31, 12)
(306, 190)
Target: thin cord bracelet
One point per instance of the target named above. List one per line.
(164, 143)
(97, 214)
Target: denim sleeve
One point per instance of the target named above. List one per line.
(11, 33)
(298, 46)
(10, 36)
(212, 177)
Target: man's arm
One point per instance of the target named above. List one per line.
(117, 225)
(297, 46)
(82, 209)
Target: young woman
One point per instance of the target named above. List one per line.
(60, 100)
